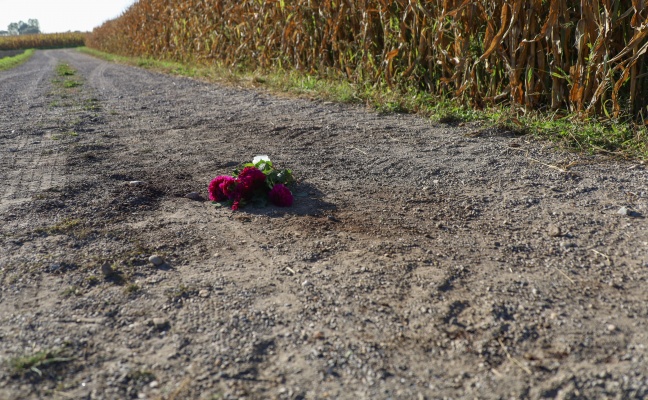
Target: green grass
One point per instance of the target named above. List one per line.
(140, 378)
(281, 81)
(92, 105)
(180, 292)
(64, 69)
(618, 138)
(71, 291)
(69, 83)
(12, 62)
(93, 280)
(132, 289)
(64, 227)
(38, 361)
(70, 79)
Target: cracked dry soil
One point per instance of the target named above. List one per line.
(420, 260)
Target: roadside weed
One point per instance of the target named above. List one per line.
(38, 361)
(63, 69)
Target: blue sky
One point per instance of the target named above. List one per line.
(62, 15)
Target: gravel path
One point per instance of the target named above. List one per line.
(420, 260)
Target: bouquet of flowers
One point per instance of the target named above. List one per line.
(255, 181)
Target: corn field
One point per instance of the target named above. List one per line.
(42, 41)
(582, 57)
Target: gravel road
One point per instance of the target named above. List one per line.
(420, 260)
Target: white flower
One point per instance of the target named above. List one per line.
(258, 159)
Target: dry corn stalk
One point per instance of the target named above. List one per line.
(42, 41)
(579, 56)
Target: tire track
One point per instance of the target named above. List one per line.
(30, 161)
(98, 75)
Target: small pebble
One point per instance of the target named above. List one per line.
(136, 183)
(623, 211)
(160, 323)
(153, 384)
(611, 328)
(156, 260)
(203, 293)
(107, 270)
(194, 196)
(306, 283)
(554, 231)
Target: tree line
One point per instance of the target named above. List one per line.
(30, 27)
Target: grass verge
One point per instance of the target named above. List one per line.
(616, 138)
(12, 62)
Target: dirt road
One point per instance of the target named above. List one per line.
(419, 261)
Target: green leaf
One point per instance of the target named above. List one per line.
(265, 166)
(285, 177)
